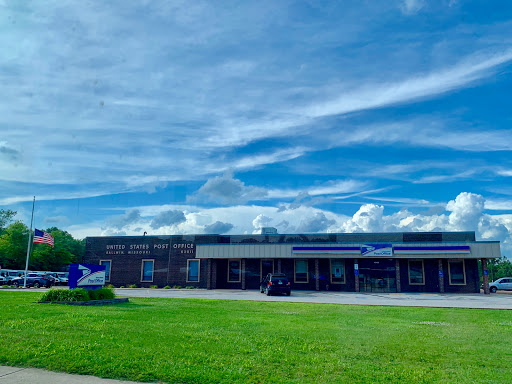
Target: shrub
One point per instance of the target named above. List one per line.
(153, 286)
(102, 294)
(189, 287)
(77, 294)
(5, 286)
(132, 286)
(122, 286)
(176, 287)
(167, 287)
(109, 286)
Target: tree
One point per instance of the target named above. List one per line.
(498, 268)
(6, 216)
(13, 246)
(67, 250)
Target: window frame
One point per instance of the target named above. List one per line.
(450, 272)
(422, 270)
(109, 270)
(239, 271)
(261, 267)
(198, 270)
(142, 271)
(295, 271)
(344, 271)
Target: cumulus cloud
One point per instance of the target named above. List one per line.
(228, 190)
(168, 218)
(466, 211)
(121, 221)
(261, 221)
(317, 223)
(218, 227)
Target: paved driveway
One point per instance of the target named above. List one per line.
(476, 300)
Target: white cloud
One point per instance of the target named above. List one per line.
(410, 7)
(466, 211)
(227, 190)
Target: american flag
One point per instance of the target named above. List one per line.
(43, 237)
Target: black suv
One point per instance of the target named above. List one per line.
(275, 283)
(35, 280)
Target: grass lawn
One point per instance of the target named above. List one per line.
(210, 341)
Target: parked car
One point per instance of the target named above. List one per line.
(275, 283)
(63, 277)
(35, 280)
(505, 284)
(10, 274)
(3, 280)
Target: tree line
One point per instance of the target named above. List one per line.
(14, 241)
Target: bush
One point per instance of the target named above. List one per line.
(132, 286)
(102, 294)
(176, 287)
(109, 286)
(77, 294)
(189, 287)
(122, 286)
(167, 287)
(153, 286)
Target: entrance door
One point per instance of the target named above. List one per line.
(267, 266)
(377, 275)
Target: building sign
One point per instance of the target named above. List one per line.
(334, 250)
(88, 276)
(426, 250)
(184, 247)
(134, 249)
(377, 250)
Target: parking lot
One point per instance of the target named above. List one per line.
(500, 300)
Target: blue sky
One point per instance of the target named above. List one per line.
(196, 117)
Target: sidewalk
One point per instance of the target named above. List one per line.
(13, 375)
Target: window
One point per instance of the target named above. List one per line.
(147, 270)
(193, 271)
(234, 271)
(301, 271)
(416, 272)
(457, 272)
(337, 271)
(108, 266)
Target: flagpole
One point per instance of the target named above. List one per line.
(28, 246)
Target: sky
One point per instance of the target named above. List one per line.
(180, 117)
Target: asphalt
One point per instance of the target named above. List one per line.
(500, 300)
(13, 375)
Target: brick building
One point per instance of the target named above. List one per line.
(358, 262)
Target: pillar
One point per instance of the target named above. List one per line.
(278, 265)
(214, 274)
(356, 272)
(485, 272)
(317, 274)
(441, 275)
(243, 274)
(397, 270)
(209, 274)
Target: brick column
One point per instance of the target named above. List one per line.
(356, 273)
(317, 274)
(441, 275)
(209, 274)
(278, 265)
(214, 274)
(397, 269)
(485, 271)
(243, 274)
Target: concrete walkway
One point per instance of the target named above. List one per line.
(14, 375)
(501, 300)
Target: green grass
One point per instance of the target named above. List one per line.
(209, 341)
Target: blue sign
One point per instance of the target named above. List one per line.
(486, 272)
(356, 272)
(385, 250)
(88, 276)
(440, 273)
